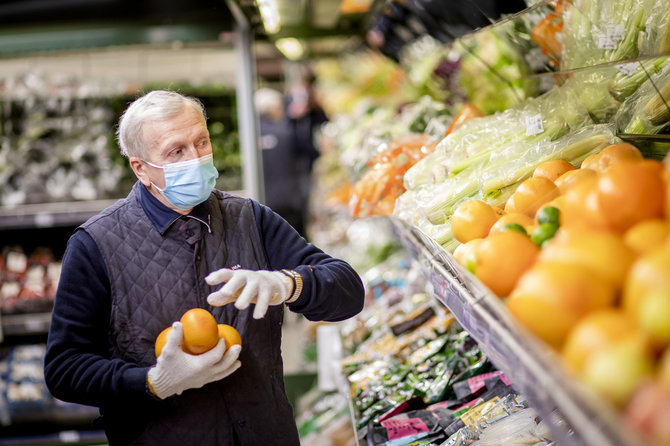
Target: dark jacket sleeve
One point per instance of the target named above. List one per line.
(77, 367)
(332, 290)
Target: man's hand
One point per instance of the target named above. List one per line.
(244, 287)
(176, 370)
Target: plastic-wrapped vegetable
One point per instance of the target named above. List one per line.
(550, 116)
(493, 72)
(375, 193)
(598, 31)
(631, 75)
(502, 151)
(648, 109)
(547, 33)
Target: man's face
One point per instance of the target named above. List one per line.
(180, 138)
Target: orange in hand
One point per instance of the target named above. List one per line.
(161, 339)
(231, 336)
(201, 332)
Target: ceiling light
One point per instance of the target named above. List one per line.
(269, 15)
(290, 47)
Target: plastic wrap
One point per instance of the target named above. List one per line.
(551, 115)
(599, 31)
(493, 71)
(487, 157)
(631, 75)
(375, 193)
(573, 148)
(518, 428)
(648, 109)
(588, 85)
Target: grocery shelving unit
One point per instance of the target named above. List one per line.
(574, 414)
(47, 422)
(47, 215)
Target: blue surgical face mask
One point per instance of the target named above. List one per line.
(188, 183)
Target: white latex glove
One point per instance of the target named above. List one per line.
(176, 370)
(264, 288)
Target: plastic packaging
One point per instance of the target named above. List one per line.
(598, 31)
(647, 111)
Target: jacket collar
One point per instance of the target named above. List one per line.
(162, 217)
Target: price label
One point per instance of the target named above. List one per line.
(627, 68)
(606, 42)
(615, 32)
(400, 428)
(534, 125)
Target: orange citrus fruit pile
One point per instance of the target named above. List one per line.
(201, 333)
(581, 257)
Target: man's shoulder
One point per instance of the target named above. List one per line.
(233, 199)
(111, 209)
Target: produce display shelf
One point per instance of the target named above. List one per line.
(70, 437)
(574, 413)
(44, 215)
(24, 324)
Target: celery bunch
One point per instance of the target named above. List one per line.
(630, 76)
(597, 31)
(468, 147)
(648, 109)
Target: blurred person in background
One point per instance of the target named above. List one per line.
(307, 117)
(174, 244)
(281, 160)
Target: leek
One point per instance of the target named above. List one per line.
(624, 85)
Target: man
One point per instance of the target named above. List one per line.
(135, 268)
(280, 160)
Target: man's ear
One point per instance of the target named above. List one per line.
(140, 170)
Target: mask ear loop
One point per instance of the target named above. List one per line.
(151, 182)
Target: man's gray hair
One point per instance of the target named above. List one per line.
(157, 105)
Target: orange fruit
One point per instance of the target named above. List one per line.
(473, 219)
(161, 339)
(581, 208)
(531, 195)
(553, 169)
(501, 258)
(611, 155)
(649, 272)
(594, 332)
(572, 178)
(603, 253)
(512, 217)
(632, 191)
(464, 253)
(653, 316)
(666, 179)
(664, 366)
(551, 298)
(616, 370)
(200, 331)
(647, 235)
(590, 161)
(231, 335)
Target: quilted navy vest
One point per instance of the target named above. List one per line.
(155, 279)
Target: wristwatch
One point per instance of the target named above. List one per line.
(297, 284)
